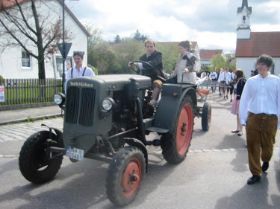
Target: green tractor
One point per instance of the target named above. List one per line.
(108, 117)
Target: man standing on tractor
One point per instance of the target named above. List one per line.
(150, 64)
(184, 71)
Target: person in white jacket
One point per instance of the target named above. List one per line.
(184, 71)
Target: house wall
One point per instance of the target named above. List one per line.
(205, 62)
(248, 64)
(10, 59)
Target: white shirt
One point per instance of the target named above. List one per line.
(260, 95)
(79, 73)
(229, 77)
(222, 76)
(213, 75)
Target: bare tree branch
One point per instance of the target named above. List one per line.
(17, 40)
(24, 19)
(20, 27)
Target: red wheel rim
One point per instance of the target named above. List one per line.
(131, 178)
(184, 129)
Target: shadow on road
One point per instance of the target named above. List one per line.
(250, 197)
(81, 185)
(232, 142)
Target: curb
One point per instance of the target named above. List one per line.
(31, 119)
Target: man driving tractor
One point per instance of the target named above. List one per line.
(150, 64)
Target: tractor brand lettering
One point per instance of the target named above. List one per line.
(81, 84)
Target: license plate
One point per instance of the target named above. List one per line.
(75, 153)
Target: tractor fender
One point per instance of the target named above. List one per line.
(171, 98)
(56, 131)
(137, 143)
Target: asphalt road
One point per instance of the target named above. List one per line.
(213, 176)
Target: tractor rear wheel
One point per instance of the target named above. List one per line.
(175, 144)
(34, 159)
(124, 176)
(206, 116)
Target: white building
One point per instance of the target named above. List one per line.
(16, 63)
(250, 45)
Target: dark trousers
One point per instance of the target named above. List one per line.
(260, 133)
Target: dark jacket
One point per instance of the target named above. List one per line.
(239, 88)
(152, 65)
(190, 62)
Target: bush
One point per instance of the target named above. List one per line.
(2, 80)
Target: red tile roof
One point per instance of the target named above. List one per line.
(259, 43)
(207, 54)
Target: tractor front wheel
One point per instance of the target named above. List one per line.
(124, 176)
(34, 158)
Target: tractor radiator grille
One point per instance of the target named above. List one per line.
(80, 105)
(72, 102)
(87, 107)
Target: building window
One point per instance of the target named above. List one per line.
(25, 59)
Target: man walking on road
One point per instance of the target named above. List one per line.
(259, 112)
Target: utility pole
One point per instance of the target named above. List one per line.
(63, 49)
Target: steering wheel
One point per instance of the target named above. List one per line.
(138, 71)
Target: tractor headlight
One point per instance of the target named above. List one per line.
(59, 99)
(107, 104)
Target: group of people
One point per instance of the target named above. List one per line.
(150, 64)
(224, 79)
(256, 102)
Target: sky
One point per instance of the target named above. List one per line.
(212, 23)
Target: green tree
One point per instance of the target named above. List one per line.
(169, 52)
(101, 57)
(117, 39)
(231, 61)
(218, 61)
(127, 50)
(95, 36)
(139, 37)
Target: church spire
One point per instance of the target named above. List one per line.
(244, 3)
(243, 27)
(244, 6)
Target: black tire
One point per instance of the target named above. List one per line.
(121, 166)
(173, 150)
(34, 162)
(206, 116)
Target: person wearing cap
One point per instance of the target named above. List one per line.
(259, 111)
(79, 70)
(150, 64)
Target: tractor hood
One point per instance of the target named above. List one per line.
(112, 82)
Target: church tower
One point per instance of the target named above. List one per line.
(243, 27)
